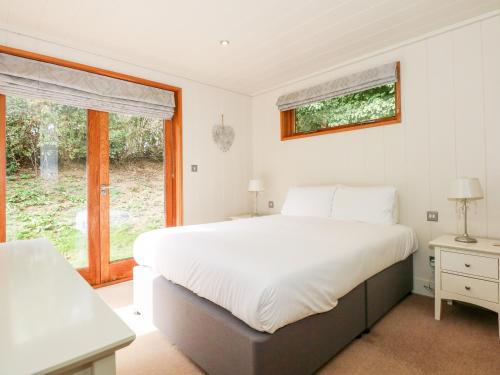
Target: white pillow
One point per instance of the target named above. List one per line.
(309, 201)
(377, 205)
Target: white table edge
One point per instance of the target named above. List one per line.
(87, 358)
(484, 245)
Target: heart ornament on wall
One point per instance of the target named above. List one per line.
(223, 136)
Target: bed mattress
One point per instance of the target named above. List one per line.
(274, 270)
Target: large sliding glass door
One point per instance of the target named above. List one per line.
(89, 181)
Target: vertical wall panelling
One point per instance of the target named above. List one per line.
(441, 110)
(416, 133)
(470, 145)
(490, 32)
(373, 150)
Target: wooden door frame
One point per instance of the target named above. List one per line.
(95, 120)
(173, 162)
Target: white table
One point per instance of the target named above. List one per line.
(467, 272)
(51, 320)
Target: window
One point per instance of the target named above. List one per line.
(90, 180)
(371, 107)
(50, 153)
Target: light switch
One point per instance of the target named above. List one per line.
(194, 168)
(270, 204)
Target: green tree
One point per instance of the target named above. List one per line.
(130, 137)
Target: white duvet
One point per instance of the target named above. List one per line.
(274, 270)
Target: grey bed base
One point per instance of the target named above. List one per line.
(220, 343)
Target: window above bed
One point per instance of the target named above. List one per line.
(361, 100)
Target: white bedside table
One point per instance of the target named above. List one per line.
(467, 272)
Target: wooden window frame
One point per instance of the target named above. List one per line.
(287, 119)
(103, 272)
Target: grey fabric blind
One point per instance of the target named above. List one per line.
(350, 84)
(35, 79)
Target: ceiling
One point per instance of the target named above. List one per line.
(271, 41)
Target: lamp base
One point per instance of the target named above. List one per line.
(465, 238)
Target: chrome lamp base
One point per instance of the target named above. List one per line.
(465, 238)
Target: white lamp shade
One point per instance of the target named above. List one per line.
(465, 188)
(255, 185)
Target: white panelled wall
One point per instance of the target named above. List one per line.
(451, 127)
(218, 189)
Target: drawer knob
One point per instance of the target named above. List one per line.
(467, 287)
(467, 265)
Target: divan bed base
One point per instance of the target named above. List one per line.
(222, 344)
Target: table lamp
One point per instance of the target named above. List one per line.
(255, 186)
(463, 190)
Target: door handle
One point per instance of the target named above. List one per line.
(104, 190)
(467, 265)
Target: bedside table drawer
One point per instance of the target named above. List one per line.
(467, 286)
(470, 264)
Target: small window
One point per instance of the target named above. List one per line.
(372, 107)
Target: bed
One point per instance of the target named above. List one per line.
(274, 294)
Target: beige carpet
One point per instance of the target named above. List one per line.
(406, 341)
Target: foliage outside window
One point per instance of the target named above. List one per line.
(365, 106)
(131, 137)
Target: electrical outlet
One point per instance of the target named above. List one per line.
(432, 216)
(270, 204)
(194, 168)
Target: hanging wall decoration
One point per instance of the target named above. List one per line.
(223, 135)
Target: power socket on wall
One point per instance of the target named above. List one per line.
(432, 216)
(270, 204)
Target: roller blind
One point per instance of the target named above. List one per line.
(350, 84)
(34, 79)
